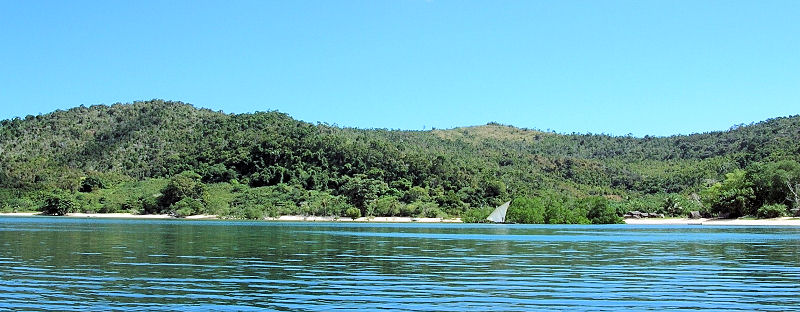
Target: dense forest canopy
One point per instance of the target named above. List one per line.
(170, 157)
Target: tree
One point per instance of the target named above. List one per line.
(526, 210)
(771, 211)
(92, 183)
(732, 197)
(776, 182)
(599, 211)
(185, 188)
(58, 203)
(362, 190)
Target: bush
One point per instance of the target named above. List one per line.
(13, 201)
(92, 183)
(184, 185)
(17, 205)
(526, 210)
(324, 204)
(187, 207)
(252, 213)
(674, 205)
(59, 203)
(429, 210)
(599, 211)
(416, 193)
(557, 213)
(385, 206)
(283, 199)
(732, 197)
(353, 213)
(410, 210)
(772, 211)
(476, 215)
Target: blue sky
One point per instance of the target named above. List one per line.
(617, 67)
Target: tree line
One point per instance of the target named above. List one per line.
(170, 157)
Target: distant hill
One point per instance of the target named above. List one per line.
(457, 168)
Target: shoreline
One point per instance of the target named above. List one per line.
(364, 219)
(106, 215)
(214, 217)
(784, 221)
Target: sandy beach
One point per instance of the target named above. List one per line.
(364, 219)
(703, 221)
(109, 215)
(785, 221)
(281, 218)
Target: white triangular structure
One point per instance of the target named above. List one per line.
(499, 213)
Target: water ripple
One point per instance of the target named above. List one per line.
(53, 264)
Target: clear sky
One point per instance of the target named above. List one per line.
(642, 67)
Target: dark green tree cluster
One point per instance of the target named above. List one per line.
(558, 209)
(764, 190)
(183, 196)
(169, 157)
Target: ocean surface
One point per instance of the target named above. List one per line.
(71, 264)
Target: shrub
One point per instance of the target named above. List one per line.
(733, 196)
(416, 193)
(183, 185)
(557, 213)
(58, 203)
(252, 213)
(410, 210)
(324, 204)
(353, 213)
(476, 215)
(385, 206)
(18, 204)
(772, 211)
(429, 210)
(526, 210)
(187, 207)
(92, 183)
(599, 211)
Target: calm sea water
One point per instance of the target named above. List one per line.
(66, 264)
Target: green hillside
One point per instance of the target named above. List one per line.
(169, 157)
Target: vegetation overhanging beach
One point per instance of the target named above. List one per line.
(171, 159)
(783, 221)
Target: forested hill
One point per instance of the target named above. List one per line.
(414, 172)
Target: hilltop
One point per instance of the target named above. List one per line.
(267, 163)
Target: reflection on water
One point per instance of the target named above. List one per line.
(78, 264)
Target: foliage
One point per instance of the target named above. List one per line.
(526, 210)
(59, 203)
(183, 195)
(386, 206)
(561, 210)
(146, 157)
(361, 190)
(187, 207)
(317, 203)
(598, 211)
(772, 211)
(746, 192)
(676, 205)
(670, 205)
(352, 212)
(549, 208)
(476, 215)
(732, 197)
(261, 201)
(775, 182)
(92, 183)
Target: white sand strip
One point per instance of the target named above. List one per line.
(364, 219)
(667, 221)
